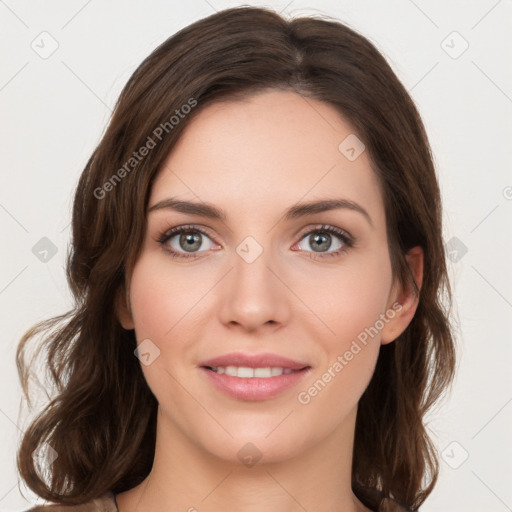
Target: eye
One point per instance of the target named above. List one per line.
(320, 240)
(188, 241)
(184, 238)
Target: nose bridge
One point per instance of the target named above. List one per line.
(253, 281)
(253, 295)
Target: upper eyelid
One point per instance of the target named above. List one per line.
(192, 227)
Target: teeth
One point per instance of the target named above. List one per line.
(248, 373)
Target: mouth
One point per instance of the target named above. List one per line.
(250, 376)
(253, 384)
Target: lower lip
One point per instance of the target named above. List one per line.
(255, 388)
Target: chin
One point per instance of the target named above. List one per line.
(251, 448)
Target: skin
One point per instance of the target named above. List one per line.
(255, 158)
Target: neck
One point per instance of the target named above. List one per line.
(185, 477)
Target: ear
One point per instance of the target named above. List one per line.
(123, 310)
(403, 300)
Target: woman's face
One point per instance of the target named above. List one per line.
(264, 279)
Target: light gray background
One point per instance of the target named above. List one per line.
(54, 111)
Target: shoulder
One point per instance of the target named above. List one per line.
(104, 503)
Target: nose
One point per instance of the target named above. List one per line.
(253, 294)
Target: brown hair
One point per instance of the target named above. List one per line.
(101, 419)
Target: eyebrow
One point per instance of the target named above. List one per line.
(294, 212)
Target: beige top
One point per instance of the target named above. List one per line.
(107, 503)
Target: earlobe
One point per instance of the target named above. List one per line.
(123, 310)
(404, 300)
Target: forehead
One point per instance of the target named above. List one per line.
(268, 151)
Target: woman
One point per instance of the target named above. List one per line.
(258, 269)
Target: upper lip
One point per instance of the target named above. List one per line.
(263, 360)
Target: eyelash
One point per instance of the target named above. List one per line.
(348, 240)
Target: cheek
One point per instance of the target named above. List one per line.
(167, 309)
(351, 307)
(353, 298)
(162, 308)
(160, 299)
